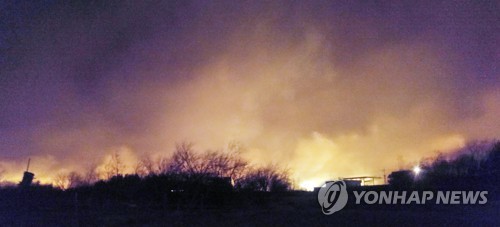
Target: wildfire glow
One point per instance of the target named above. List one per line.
(326, 90)
(309, 185)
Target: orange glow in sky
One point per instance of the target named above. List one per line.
(325, 91)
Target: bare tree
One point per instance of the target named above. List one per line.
(70, 180)
(218, 163)
(224, 163)
(185, 160)
(61, 181)
(163, 165)
(74, 180)
(145, 167)
(114, 167)
(270, 178)
(91, 175)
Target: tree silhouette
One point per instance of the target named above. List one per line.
(114, 167)
(91, 175)
(145, 167)
(475, 165)
(267, 179)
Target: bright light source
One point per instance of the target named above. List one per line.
(307, 185)
(417, 170)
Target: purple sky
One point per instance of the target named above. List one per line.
(291, 80)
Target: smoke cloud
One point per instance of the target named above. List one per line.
(328, 89)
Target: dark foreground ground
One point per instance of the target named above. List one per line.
(289, 209)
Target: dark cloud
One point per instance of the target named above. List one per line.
(304, 83)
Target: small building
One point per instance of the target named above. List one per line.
(350, 182)
(360, 181)
(353, 183)
(27, 179)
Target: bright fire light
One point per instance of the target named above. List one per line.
(417, 170)
(307, 185)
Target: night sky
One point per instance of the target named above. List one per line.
(326, 88)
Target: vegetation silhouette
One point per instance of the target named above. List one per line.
(202, 188)
(476, 166)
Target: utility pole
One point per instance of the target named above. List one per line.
(27, 176)
(385, 178)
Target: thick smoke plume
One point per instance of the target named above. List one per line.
(328, 89)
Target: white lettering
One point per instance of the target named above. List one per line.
(413, 198)
(397, 197)
(442, 197)
(385, 197)
(483, 199)
(367, 197)
(428, 195)
(470, 197)
(358, 196)
(455, 197)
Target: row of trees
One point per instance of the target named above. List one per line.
(476, 165)
(193, 165)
